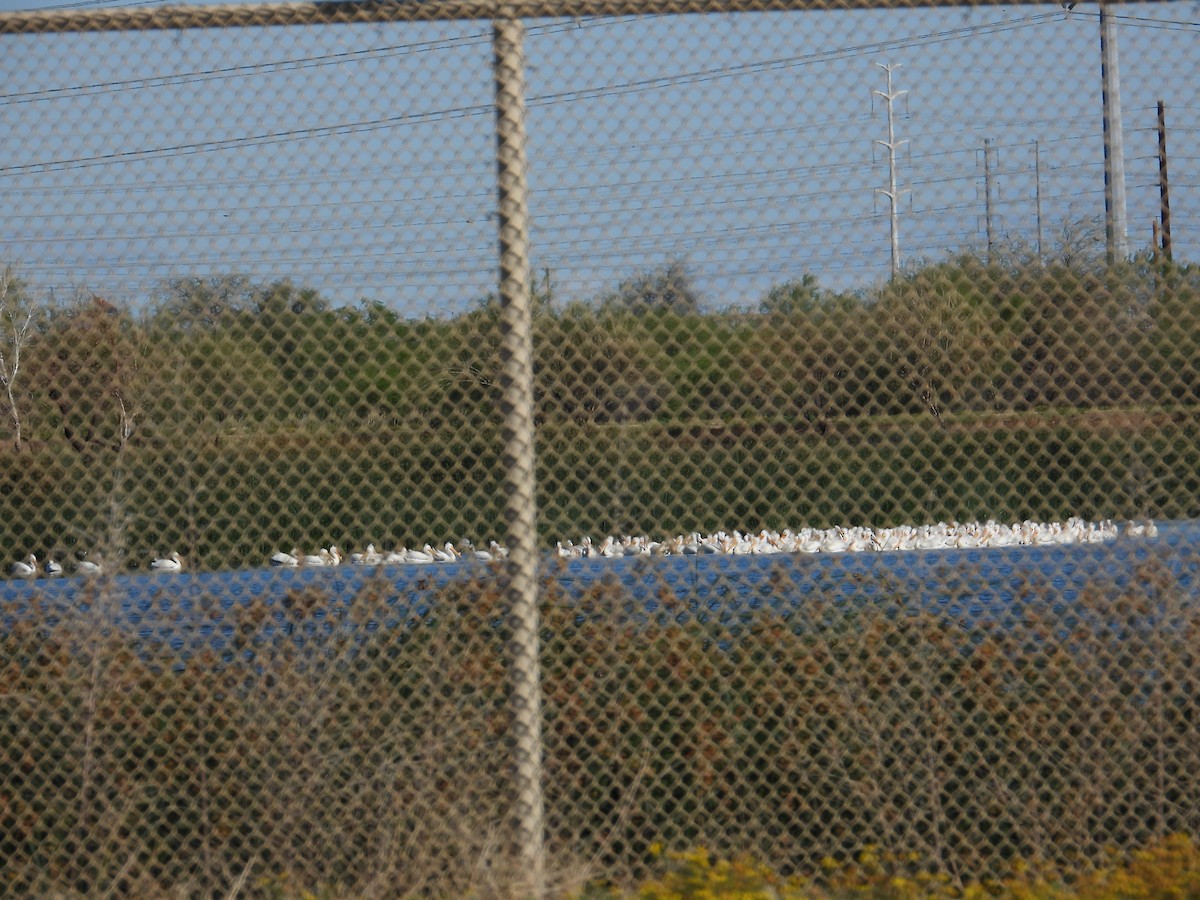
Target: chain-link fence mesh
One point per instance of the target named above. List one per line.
(865, 393)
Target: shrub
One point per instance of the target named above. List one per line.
(1164, 870)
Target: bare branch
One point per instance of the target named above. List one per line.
(15, 331)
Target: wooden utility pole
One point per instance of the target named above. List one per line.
(988, 149)
(1164, 190)
(1037, 195)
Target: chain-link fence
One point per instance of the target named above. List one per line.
(789, 447)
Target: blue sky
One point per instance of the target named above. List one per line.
(359, 159)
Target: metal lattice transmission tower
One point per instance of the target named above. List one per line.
(892, 192)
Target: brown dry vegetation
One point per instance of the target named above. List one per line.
(374, 760)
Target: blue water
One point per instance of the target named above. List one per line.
(190, 612)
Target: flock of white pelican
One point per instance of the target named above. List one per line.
(841, 539)
(940, 536)
(30, 567)
(401, 556)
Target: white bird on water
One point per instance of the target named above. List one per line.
(170, 563)
(288, 560)
(422, 557)
(88, 567)
(321, 558)
(26, 568)
(838, 539)
(471, 552)
(369, 557)
(53, 568)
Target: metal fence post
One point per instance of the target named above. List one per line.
(516, 379)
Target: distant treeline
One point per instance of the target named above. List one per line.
(231, 417)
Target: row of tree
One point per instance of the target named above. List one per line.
(959, 337)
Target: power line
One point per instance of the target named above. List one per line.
(265, 68)
(610, 90)
(483, 38)
(1163, 24)
(603, 158)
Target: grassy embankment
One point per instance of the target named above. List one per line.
(231, 500)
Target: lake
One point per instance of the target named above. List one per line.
(978, 587)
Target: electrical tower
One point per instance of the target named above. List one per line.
(892, 193)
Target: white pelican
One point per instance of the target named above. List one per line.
(288, 560)
(1143, 528)
(633, 546)
(421, 557)
(834, 540)
(170, 563)
(809, 544)
(321, 558)
(369, 557)
(470, 551)
(53, 568)
(88, 567)
(932, 539)
(889, 539)
(26, 568)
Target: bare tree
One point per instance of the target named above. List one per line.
(16, 321)
(1080, 242)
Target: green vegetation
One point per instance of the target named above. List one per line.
(1167, 869)
(232, 418)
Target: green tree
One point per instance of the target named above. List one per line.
(1169, 341)
(454, 369)
(93, 374)
(667, 287)
(206, 302)
(938, 333)
(290, 324)
(800, 296)
(1073, 339)
(588, 369)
